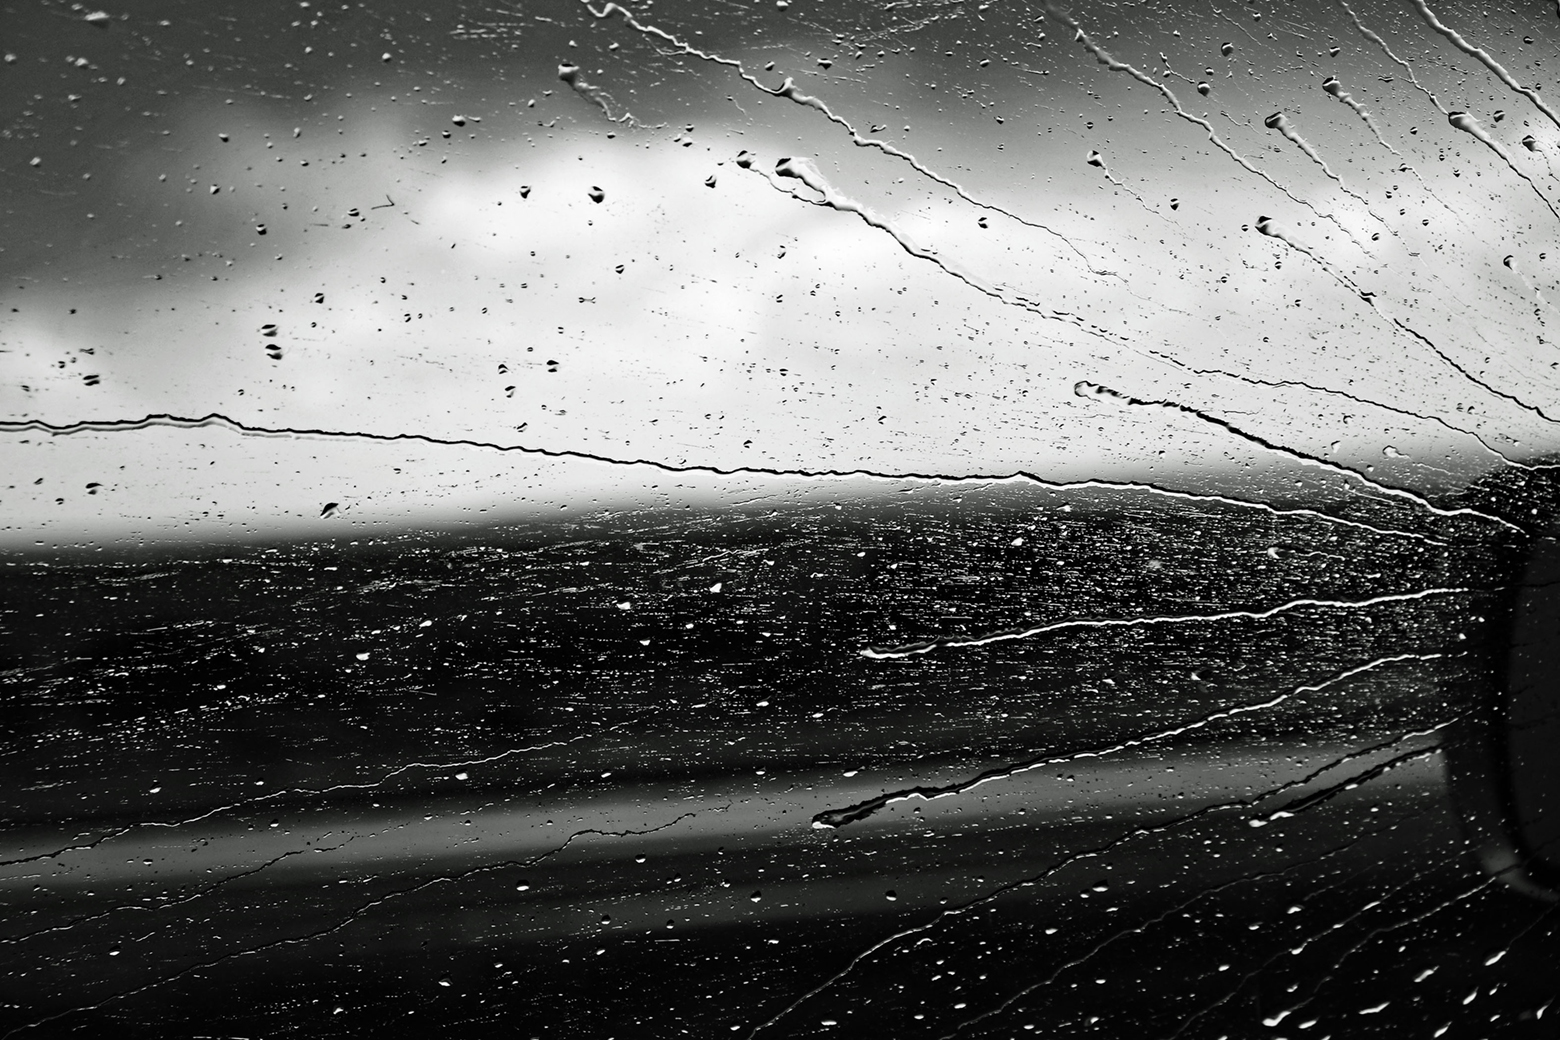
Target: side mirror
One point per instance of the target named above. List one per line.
(1505, 763)
(1532, 717)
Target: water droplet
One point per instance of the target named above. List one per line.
(709, 182)
(890, 895)
(330, 507)
(570, 74)
(596, 194)
(268, 329)
(1332, 86)
(1332, 52)
(385, 56)
(524, 886)
(1273, 121)
(525, 191)
(98, 18)
(458, 120)
(35, 161)
(1530, 142)
(756, 896)
(1204, 89)
(1226, 49)
(745, 159)
(319, 297)
(1094, 159)
(223, 137)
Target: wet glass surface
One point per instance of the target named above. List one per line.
(778, 519)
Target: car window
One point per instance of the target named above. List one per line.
(777, 518)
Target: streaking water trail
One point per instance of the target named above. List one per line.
(832, 818)
(1268, 227)
(1087, 389)
(1280, 122)
(1105, 58)
(806, 172)
(1470, 126)
(1371, 35)
(1097, 160)
(1010, 635)
(1484, 56)
(789, 91)
(1335, 88)
(1368, 402)
(1538, 295)
(217, 420)
(571, 75)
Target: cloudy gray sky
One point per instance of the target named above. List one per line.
(984, 208)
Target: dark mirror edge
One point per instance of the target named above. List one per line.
(1476, 749)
